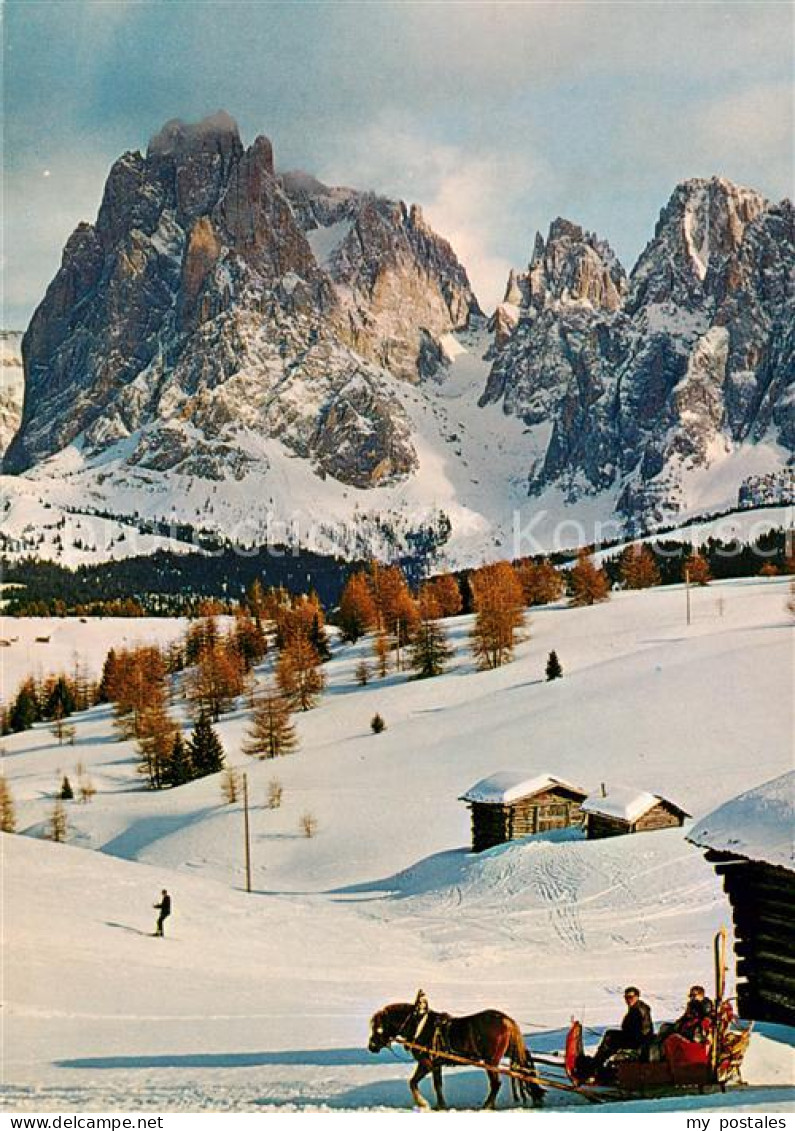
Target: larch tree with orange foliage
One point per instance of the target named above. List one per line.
(587, 583)
(271, 733)
(638, 567)
(299, 675)
(358, 614)
(498, 600)
(447, 592)
(138, 678)
(217, 679)
(157, 732)
(381, 653)
(398, 612)
(696, 570)
(541, 582)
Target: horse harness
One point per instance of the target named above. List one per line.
(440, 1037)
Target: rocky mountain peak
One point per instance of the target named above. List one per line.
(697, 235)
(572, 266)
(643, 384)
(207, 284)
(217, 132)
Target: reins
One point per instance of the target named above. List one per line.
(523, 1076)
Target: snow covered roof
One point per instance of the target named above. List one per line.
(625, 802)
(509, 785)
(757, 825)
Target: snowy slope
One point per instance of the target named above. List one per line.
(72, 640)
(264, 999)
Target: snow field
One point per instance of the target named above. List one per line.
(264, 999)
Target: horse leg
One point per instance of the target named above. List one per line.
(494, 1087)
(422, 1070)
(441, 1105)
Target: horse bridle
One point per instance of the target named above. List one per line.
(402, 1034)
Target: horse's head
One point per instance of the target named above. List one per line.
(388, 1024)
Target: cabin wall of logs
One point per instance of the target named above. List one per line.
(494, 824)
(762, 898)
(662, 816)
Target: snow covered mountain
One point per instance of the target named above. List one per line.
(280, 360)
(647, 380)
(12, 385)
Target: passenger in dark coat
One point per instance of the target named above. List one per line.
(697, 1011)
(636, 1032)
(164, 907)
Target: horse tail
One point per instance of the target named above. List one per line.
(522, 1061)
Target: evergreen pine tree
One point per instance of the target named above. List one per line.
(179, 768)
(61, 699)
(8, 821)
(67, 793)
(553, 669)
(318, 638)
(104, 692)
(205, 750)
(377, 724)
(362, 673)
(25, 710)
(271, 733)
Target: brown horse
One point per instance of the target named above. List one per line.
(484, 1037)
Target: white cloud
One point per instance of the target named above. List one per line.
(43, 205)
(471, 198)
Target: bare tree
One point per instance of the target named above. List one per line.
(308, 824)
(275, 791)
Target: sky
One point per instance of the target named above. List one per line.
(495, 117)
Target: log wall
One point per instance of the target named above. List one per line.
(662, 816)
(497, 824)
(762, 898)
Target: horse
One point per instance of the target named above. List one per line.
(485, 1037)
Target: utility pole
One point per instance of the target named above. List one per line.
(246, 832)
(687, 591)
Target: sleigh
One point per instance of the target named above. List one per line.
(683, 1065)
(675, 1063)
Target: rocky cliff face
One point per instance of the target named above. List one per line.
(213, 302)
(227, 342)
(643, 380)
(12, 385)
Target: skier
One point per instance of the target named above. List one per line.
(164, 907)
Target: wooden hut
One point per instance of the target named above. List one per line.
(750, 842)
(621, 809)
(509, 805)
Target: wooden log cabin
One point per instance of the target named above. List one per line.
(510, 805)
(619, 809)
(749, 840)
